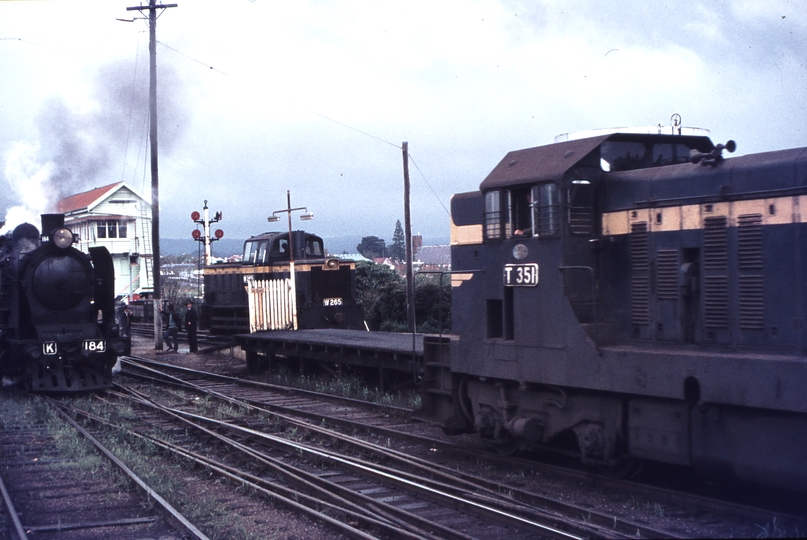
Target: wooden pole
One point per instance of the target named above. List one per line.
(155, 183)
(410, 278)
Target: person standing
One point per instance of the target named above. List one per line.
(191, 319)
(172, 328)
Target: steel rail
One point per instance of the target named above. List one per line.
(602, 520)
(171, 513)
(597, 521)
(272, 490)
(145, 364)
(8, 505)
(447, 496)
(304, 479)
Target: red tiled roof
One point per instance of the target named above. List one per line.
(83, 200)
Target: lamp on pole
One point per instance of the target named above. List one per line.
(292, 281)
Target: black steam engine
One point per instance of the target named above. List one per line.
(634, 297)
(256, 293)
(58, 329)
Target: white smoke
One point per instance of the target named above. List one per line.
(77, 148)
(29, 181)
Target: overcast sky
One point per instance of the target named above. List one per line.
(257, 97)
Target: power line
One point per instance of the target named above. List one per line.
(352, 128)
(430, 186)
(191, 58)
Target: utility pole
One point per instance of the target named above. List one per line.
(155, 191)
(410, 278)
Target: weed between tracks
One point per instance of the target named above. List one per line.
(173, 479)
(345, 385)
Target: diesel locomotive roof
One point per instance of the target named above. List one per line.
(777, 173)
(275, 234)
(550, 162)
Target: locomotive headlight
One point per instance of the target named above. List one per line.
(62, 238)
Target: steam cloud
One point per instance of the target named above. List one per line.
(78, 150)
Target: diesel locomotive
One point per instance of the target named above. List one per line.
(58, 326)
(633, 296)
(285, 281)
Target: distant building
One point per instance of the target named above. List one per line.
(433, 258)
(417, 242)
(117, 217)
(349, 257)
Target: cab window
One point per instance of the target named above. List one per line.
(261, 255)
(280, 248)
(250, 251)
(545, 210)
(520, 219)
(492, 218)
(580, 207)
(313, 247)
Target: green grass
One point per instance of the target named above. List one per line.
(349, 385)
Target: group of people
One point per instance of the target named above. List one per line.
(172, 321)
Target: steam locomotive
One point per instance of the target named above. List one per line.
(284, 281)
(633, 296)
(58, 327)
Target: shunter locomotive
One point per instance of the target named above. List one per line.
(58, 329)
(256, 293)
(632, 297)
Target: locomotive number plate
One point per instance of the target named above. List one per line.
(331, 302)
(521, 275)
(94, 345)
(49, 348)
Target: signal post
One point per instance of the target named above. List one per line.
(205, 237)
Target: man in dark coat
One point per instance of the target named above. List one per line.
(191, 318)
(172, 322)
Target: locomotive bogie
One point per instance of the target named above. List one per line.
(539, 414)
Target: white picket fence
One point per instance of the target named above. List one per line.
(271, 304)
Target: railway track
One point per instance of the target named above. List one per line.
(207, 342)
(393, 501)
(48, 493)
(308, 411)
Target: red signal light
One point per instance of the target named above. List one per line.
(196, 234)
(219, 233)
(195, 215)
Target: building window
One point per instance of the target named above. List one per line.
(112, 229)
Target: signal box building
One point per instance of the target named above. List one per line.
(117, 217)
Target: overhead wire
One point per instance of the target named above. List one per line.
(329, 119)
(131, 111)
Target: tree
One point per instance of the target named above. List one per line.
(397, 250)
(382, 294)
(372, 247)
